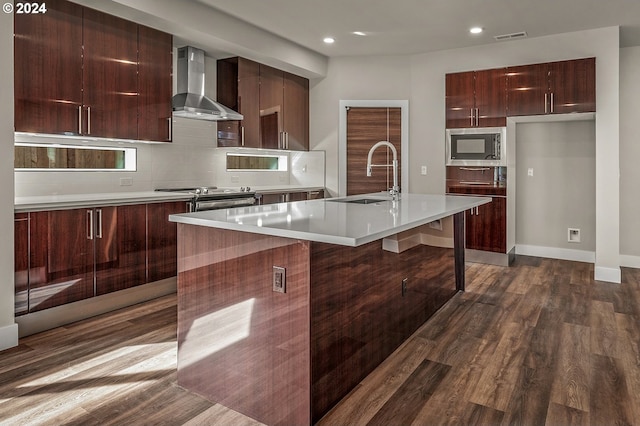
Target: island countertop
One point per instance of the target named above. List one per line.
(336, 220)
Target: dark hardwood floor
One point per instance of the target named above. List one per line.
(538, 343)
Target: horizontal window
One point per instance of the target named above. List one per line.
(42, 157)
(256, 162)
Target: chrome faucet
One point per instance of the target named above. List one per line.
(395, 190)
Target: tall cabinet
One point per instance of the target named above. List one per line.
(83, 72)
(274, 103)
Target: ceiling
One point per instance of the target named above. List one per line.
(416, 26)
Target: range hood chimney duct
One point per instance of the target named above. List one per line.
(190, 102)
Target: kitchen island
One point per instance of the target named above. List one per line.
(284, 308)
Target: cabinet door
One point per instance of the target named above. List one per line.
(491, 98)
(61, 257)
(21, 263)
(271, 107)
(162, 240)
(155, 53)
(527, 86)
(486, 228)
(48, 64)
(121, 247)
(459, 99)
(110, 76)
(248, 102)
(296, 112)
(573, 86)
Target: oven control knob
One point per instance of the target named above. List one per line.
(198, 191)
(242, 189)
(205, 190)
(248, 189)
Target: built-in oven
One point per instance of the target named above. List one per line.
(212, 198)
(479, 146)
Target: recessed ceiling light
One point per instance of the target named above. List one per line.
(359, 33)
(475, 30)
(329, 40)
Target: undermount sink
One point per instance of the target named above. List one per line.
(360, 200)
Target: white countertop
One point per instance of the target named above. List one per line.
(331, 221)
(59, 202)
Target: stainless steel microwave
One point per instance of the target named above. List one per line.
(478, 146)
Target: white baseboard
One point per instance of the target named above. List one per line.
(556, 253)
(8, 336)
(612, 275)
(629, 261)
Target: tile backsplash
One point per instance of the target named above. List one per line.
(192, 159)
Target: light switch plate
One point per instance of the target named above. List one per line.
(530, 171)
(423, 170)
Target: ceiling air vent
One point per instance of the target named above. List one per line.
(511, 36)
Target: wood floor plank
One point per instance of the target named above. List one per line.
(537, 343)
(572, 380)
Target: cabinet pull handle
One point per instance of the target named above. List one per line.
(88, 120)
(99, 224)
(242, 135)
(89, 224)
(477, 211)
(471, 116)
(286, 136)
(551, 102)
(475, 169)
(170, 121)
(477, 117)
(545, 104)
(80, 120)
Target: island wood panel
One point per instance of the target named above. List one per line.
(359, 315)
(240, 343)
(366, 127)
(48, 55)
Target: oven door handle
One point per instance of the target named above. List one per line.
(222, 204)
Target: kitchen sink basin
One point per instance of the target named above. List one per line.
(360, 200)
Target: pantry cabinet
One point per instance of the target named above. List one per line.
(78, 72)
(476, 99)
(63, 256)
(274, 103)
(552, 88)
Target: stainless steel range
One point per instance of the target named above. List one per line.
(212, 198)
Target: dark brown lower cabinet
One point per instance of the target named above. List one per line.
(64, 256)
(162, 246)
(486, 226)
(21, 263)
(61, 257)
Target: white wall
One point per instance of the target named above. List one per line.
(561, 193)
(630, 156)
(420, 78)
(361, 78)
(8, 329)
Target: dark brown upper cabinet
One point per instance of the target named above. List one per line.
(77, 72)
(155, 69)
(476, 99)
(552, 88)
(274, 103)
(238, 87)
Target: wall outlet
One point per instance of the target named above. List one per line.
(573, 235)
(279, 279)
(126, 181)
(423, 170)
(530, 171)
(436, 224)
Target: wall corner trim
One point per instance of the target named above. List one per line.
(612, 275)
(8, 336)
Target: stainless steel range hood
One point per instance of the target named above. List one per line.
(190, 102)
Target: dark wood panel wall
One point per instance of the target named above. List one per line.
(365, 127)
